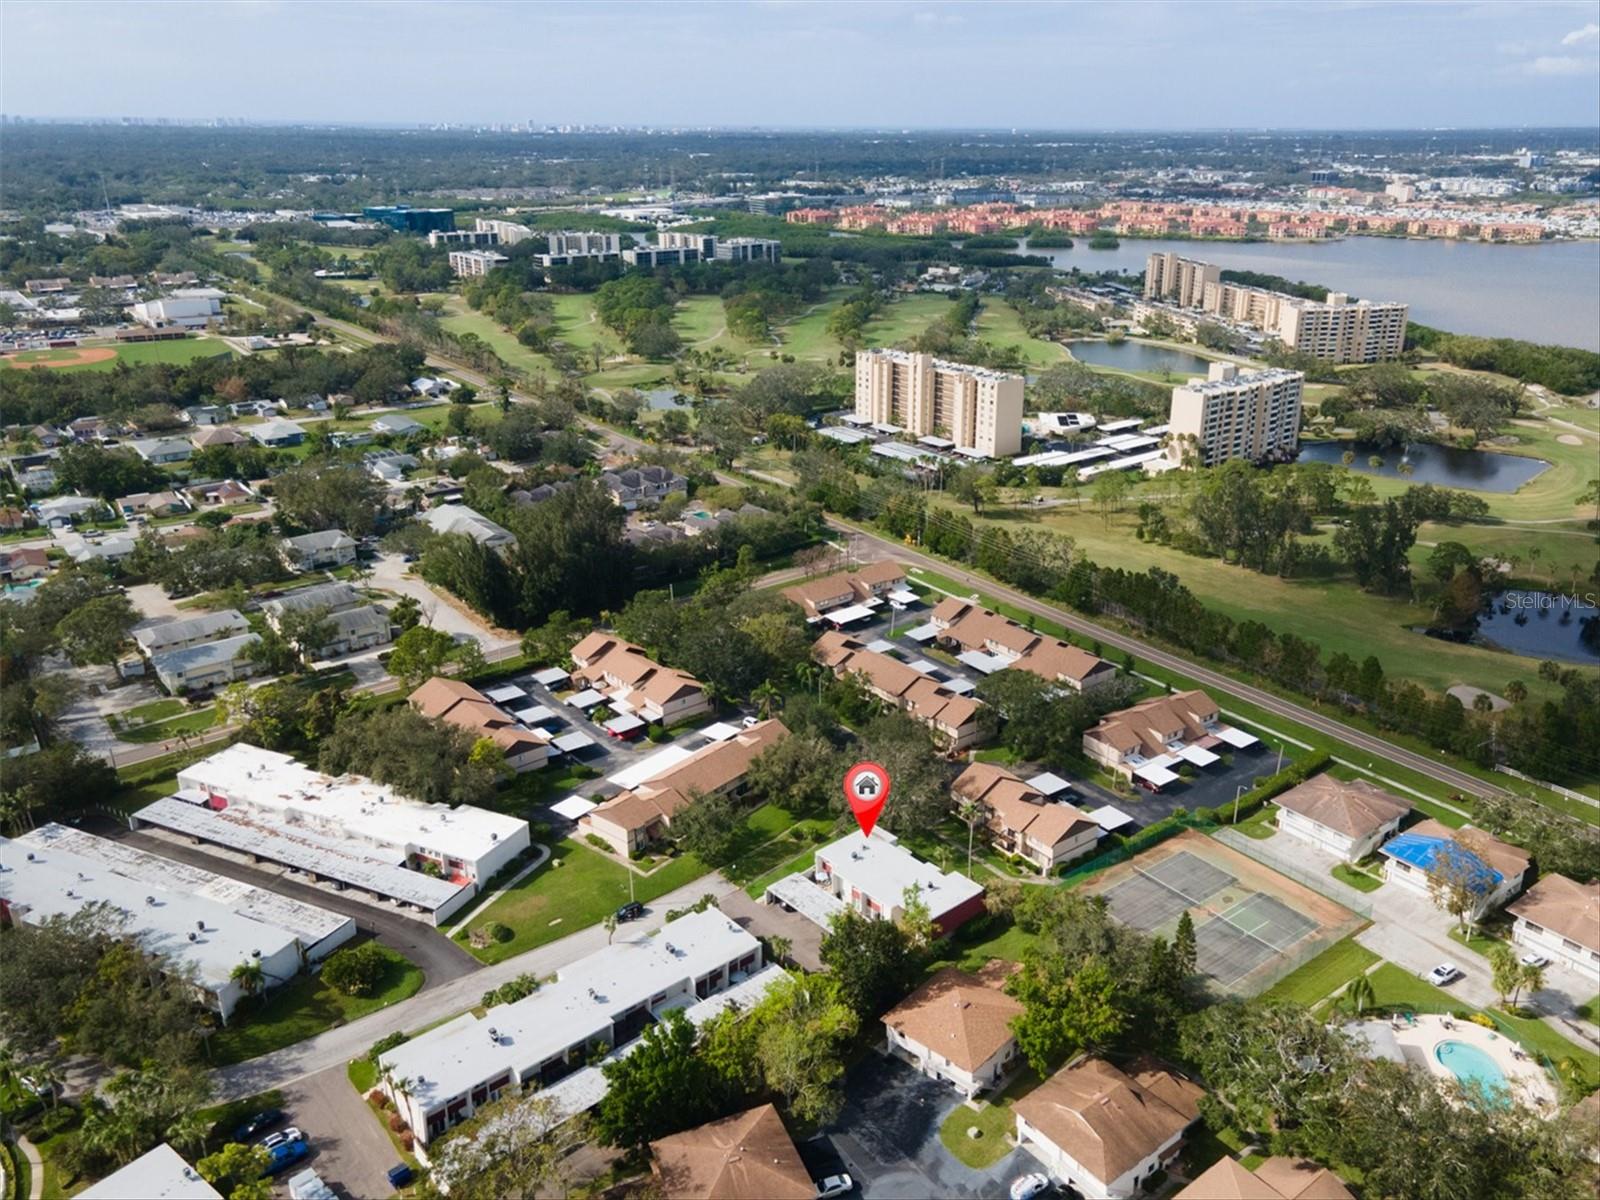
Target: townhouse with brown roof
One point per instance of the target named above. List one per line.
(1022, 821)
(1278, 1178)
(1144, 742)
(989, 642)
(1348, 818)
(26, 563)
(634, 819)
(1105, 1132)
(957, 1027)
(633, 682)
(465, 707)
(1560, 919)
(748, 1156)
(1496, 869)
(842, 588)
(953, 719)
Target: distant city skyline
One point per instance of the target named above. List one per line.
(1243, 64)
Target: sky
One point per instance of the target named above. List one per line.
(1155, 65)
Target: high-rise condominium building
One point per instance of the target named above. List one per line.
(509, 232)
(1342, 332)
(1180, 280)
(1253, 416)
(978, 409)
(475, 262)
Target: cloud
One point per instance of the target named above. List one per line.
(938, 18)
(1559, 64)
(1589, 33)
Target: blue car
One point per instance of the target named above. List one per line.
(285, 1154)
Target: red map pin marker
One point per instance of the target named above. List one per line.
(866, 787)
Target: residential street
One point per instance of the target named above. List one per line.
(337, 1046)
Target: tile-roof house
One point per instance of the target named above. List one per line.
(1278, 1178)
(957, 1027)
(643, 814)
(1021, 820)
(462, 705)
(634, 486)
(1560, 919)
(217, 435)
(1101, 1131)
(25, 563)
(326, 548)
(969, 627)
(1348, 818)
(953, 719)
(634, 683)
(817, 596)
(748, 1156)
(1497, 869)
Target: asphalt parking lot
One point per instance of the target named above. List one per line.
(887, 1137)
(350, 1150)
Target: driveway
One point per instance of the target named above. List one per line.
(153, 602)
(440, 959)
(391, 573)
(768, 920)
(350, 1149)
(335, 1047)
(888, 1138)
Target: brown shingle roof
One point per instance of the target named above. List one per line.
(1302, 1179)
(709, 769)
(467, 708)
(1227, 1179)
(1564, 907)
(600, 655)
(1144, 726)
(1101, 1117)
(922, 697)
(845, 585)
(1355, 808)
(748, 1156)
(1013, 805)
(976, 628)
(961, 1017)
(439, 695)
(1511, 861)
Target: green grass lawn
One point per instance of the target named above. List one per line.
(160, 731)
(554, 901)
(363, 1074)
(1359, 880)
(999, 324)
(306, 1007)
(135, 353)
(155, 710)
(994, 1121)
(1260, 824)
(1317, 979)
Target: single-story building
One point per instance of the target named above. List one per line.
(458, 518)
(219, 492)
(957, 1027)
(748, 1156)
(1560, 919)
(1345, 818)
(217, 435)
(16, 566)
(162, 450)
(59, 511)
(153, 504)
(165, 636)
(1105, 1132)
(315, 551)
(1022, 821)
(278, 432)
(1495, 869)
(397, 424)
(206, 664)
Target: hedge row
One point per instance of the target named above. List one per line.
(1293, 775)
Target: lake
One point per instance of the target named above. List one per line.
(1476, 470)
(1136, 356)
(1543, 292)
(1540, 625)
(664, 398)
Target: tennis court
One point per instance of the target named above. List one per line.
(1252, 925)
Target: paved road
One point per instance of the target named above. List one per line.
(441, 959)
(872, 546)
(390, 572)
(337, 1046)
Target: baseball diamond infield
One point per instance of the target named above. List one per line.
(64, 356)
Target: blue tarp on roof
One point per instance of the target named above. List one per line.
(1423, 852)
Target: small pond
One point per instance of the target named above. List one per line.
(1542, 625)
(1137, 356)
(1476, 470)
(664, 398)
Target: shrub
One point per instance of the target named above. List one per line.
(408, 1141)
(59, 1119)
(495, 931)
(585, 771)
(378, 1098)
(356, 970)
(387, 1043)
(396, 1122)
(598, 842)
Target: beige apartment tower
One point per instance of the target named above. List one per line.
(1341, 332)
(1254, 416)
(978, 409)
(1180, 280)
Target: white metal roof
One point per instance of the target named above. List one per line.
(880, 646)
(1158, 776)
(550, 676)
(568, 742)
(650, 767)
(534, 715)
(588, 698)
(1199, 757)
(1048, 784)
(1237, 738)
(573, 807)
(626, 723)
(1109, 817)
(721, 731)
(980, 660)
(847, 615)
(922, 633)
(959, 686)
(806, 898)
(506, 693)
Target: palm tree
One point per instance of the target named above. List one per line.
(1530, 976)
(189, 1133)
(969, 812)
(250, 977)
(780, 948)
(766, 698)
(611, 927)
(1358, 996)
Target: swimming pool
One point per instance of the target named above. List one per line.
(1472, 1066)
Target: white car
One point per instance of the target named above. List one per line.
(1444, 973)
(291, 1134)
(835, 1185)
(1029, 1186)
(1534, 959)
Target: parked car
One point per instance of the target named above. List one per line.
(291, 1134)
(631, 911)
(265, 1119)
(285, 1154)
(1029, 1186)
(1534, 959)
(835, 1185)
(1444, 973)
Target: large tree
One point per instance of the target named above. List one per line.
(662, 1086)
(512, 1149)
(872, 962)
(322, 496)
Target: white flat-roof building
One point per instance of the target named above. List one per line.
(198, 921)
(159, 1174)
(345, 829)
(606, 998)
(871, 875)
(180, 312)
(467, 263)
